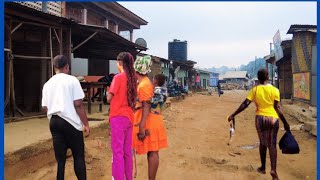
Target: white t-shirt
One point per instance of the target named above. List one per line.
(58, 94)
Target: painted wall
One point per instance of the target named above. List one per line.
(302, 43)
(302, 51)
(205, 78)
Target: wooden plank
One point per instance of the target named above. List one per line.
(69, 45)
(89, 100)
(8, 86)
(13, 96)
(91, 36)
(39, 24)
(17, 27)
(44, 70)
(51, 51)
(61, 41)
(30, 57)
(101, 99)
(17, 119)
(55, 32)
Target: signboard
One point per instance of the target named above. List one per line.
(277, 46)
(214, 78)
(301, 85)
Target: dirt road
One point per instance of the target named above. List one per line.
(198, 133)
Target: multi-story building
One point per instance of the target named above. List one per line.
(35, 32)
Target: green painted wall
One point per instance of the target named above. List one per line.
(206, 77)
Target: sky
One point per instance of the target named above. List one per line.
(219, 33)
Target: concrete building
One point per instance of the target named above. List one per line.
(204, 78)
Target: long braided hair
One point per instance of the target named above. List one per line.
(127, 62)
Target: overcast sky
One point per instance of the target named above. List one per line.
(219, 33)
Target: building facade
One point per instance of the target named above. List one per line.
(214, 78)
(304, 42)
(284, 71)
(238, 77)
(204, 78)
(33, 37)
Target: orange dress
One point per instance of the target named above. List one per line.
(154, 123)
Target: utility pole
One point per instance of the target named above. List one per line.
(272, 73)
(255, 65)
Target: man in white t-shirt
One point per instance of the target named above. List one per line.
(62, 100)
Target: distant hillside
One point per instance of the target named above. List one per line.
(252, 68)
(221, 70)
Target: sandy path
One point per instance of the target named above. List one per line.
(198, 133)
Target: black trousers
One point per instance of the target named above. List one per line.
(65, 136)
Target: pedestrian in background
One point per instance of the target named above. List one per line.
(267, 100)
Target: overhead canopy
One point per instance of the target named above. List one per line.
(99, 42)
(301, 27)
(270, 58)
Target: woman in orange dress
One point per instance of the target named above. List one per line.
(149, 133)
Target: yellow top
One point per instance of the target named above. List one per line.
(264, 97)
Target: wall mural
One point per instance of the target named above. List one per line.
(301, 83)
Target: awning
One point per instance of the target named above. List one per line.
(99, 42)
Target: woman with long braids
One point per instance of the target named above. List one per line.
(148, 132)
(122, 98)
(267, 100)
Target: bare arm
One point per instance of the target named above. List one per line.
(145, 113)
(242, 107)
(277, 107)
(109, 97)
(82, 114)
(45, 109)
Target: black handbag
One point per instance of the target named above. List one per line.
(288, 144)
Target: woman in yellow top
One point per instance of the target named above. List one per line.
(267, 100)
(149, 133)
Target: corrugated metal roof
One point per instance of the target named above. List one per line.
(235, 74)
(203, 71)
(302, 28)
